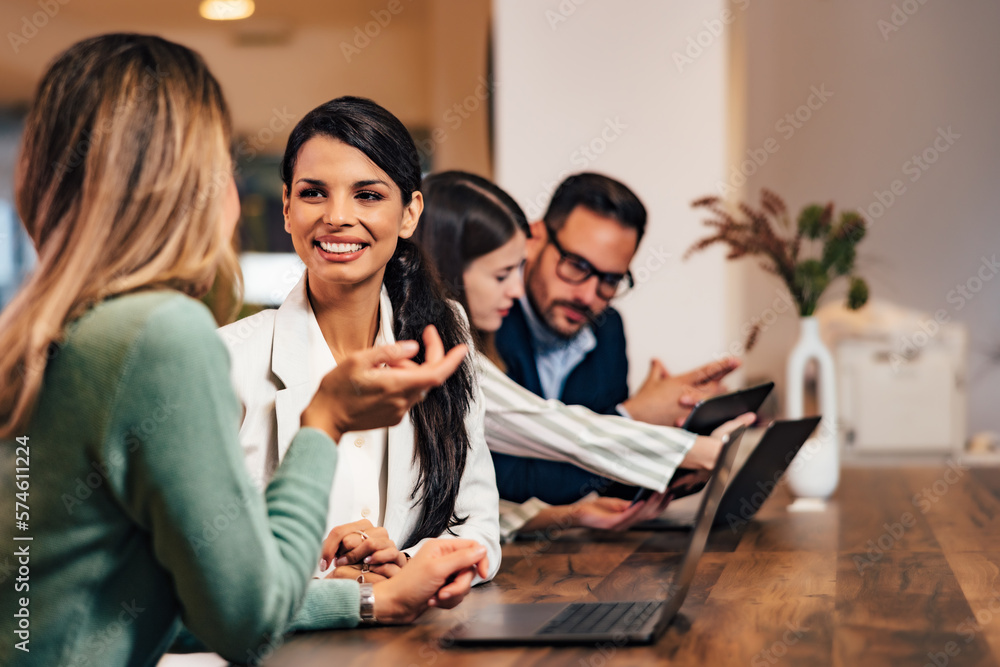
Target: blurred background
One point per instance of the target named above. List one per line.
(886, 107)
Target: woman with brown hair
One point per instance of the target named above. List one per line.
(116, 412)
(475, 234)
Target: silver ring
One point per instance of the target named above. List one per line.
(361, 578)
(363, 534)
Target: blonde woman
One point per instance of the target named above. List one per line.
(116, 412)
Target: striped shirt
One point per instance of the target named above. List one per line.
(520, 423)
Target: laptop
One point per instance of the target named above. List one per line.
(625, 622)
(704, 418)
(751, 482)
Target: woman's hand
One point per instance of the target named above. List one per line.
(354, 572)
(618, 513)
(603, 513)
(705, 452)
(360, 542)
(375, 388)
(746, 419)
(440, 575)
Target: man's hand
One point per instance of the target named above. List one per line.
(667, 399)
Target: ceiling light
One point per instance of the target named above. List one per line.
(226, 10)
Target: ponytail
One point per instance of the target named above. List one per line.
(440, 438)
(442, 449)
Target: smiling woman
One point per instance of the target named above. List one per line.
(113, 374)
(335, 186)
(351, 199)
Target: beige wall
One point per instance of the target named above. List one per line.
(460, 86)
(892, 91)
(428, 56)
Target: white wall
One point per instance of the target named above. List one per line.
(568, 73)
(892, 91)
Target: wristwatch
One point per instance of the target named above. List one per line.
(368, 604)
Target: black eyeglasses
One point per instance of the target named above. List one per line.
(576, 270)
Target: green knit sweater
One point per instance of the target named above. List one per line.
(141, 513)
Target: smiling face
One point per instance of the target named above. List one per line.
(344, 213)
(492, 283)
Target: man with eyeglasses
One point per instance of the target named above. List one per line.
(562, 340)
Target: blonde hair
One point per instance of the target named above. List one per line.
(120, 185)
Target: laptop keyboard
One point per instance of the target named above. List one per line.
(582, 618)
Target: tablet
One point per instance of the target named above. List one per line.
(713, 412)
(707, 416)
(685, 482)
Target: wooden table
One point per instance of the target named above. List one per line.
(902, 568)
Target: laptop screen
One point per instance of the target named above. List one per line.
(678, 588)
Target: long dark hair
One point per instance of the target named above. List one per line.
(465, 217)
(418, 299)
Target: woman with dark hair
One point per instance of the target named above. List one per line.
(476, 234)
(117, 418)
(352, 200)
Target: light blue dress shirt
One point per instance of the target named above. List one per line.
(555, 356)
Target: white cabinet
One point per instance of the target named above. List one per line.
(903, 399)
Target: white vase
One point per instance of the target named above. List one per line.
(815, 471)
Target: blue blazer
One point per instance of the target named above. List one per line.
(599, 382)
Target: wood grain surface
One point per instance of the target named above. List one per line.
(901, 568)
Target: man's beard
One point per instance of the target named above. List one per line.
(548, 315)
(589, 316)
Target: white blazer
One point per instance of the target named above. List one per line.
(275, 378)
